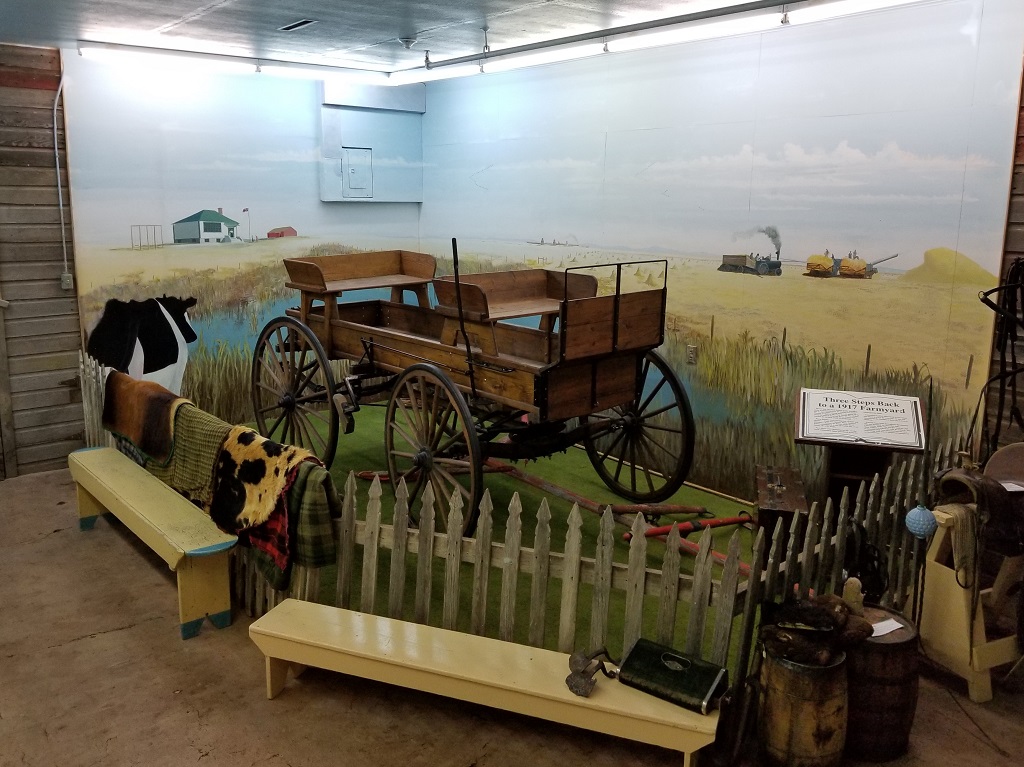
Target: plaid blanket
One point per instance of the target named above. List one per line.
(300, 528)
(197, 443)
(296, 526)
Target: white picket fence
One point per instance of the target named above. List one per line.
(571, 597)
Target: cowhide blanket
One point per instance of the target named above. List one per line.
(141, 412)
(250, 478)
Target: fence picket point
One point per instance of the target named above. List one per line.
(482, 564)
(860, 505)
(541, 573)
(371, 544)
(602, 582)
(633, 622)
(400, 544)
(836, 581)
(425, 557)
(750, 606)
(570, 582)
(510, 570)
(701, 595)
(792, 555)
(823, 565)
(774, 565)
(453, 564)
(724, 604)
(346, 536)
(668, 602)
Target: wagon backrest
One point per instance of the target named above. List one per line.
(619, 322)
(318, 271)
(517, 293)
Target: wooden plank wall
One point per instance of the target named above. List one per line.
(1013, 248)
(41, 417)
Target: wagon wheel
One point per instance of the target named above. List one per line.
(645, 451)
(292, 385)
(430, 438)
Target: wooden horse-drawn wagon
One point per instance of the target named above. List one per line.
(466, 380)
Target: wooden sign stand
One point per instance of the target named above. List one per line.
(861, 431)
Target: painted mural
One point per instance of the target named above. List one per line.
(829, 199)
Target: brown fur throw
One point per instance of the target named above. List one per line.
(141, 412)
(251, 474)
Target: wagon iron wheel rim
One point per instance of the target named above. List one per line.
(291, 377)
(431, 440)
(643, 450)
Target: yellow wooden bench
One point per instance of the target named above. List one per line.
(180, 533)
(512, 677)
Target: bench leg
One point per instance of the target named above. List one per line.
(88, 509)
(277, 674)
(204, 590)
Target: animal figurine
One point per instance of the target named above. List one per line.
(147, 339)
(853, 595)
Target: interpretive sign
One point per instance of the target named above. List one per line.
(861, 418)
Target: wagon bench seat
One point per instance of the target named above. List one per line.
(512, 677)
(320, 277)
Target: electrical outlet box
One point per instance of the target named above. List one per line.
(67, 281)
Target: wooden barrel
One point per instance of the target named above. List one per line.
(802, 717)
(883, 674)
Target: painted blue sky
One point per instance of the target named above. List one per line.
(845, 134)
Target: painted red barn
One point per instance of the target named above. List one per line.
(282, 231)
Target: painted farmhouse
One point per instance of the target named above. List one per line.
(205, 226)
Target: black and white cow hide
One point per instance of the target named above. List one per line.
(145, 339)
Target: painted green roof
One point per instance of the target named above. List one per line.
(208, 215)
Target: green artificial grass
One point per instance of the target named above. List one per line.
(363, 450)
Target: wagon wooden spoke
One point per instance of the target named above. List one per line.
(649, 442)
(431, 415)
(666, 429)
(305, 399)
(629, 458)
(429, 434)
(448, 428)
(313, 415)
(654, 413)
(273, 371)
(651, 397)
(618, 438)
(277, 423)
(307, 380)
(292, 385)
(312, 436)
(409, 410)
(405, 435)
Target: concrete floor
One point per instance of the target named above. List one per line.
(92, 672)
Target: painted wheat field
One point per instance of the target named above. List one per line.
(743, 344)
